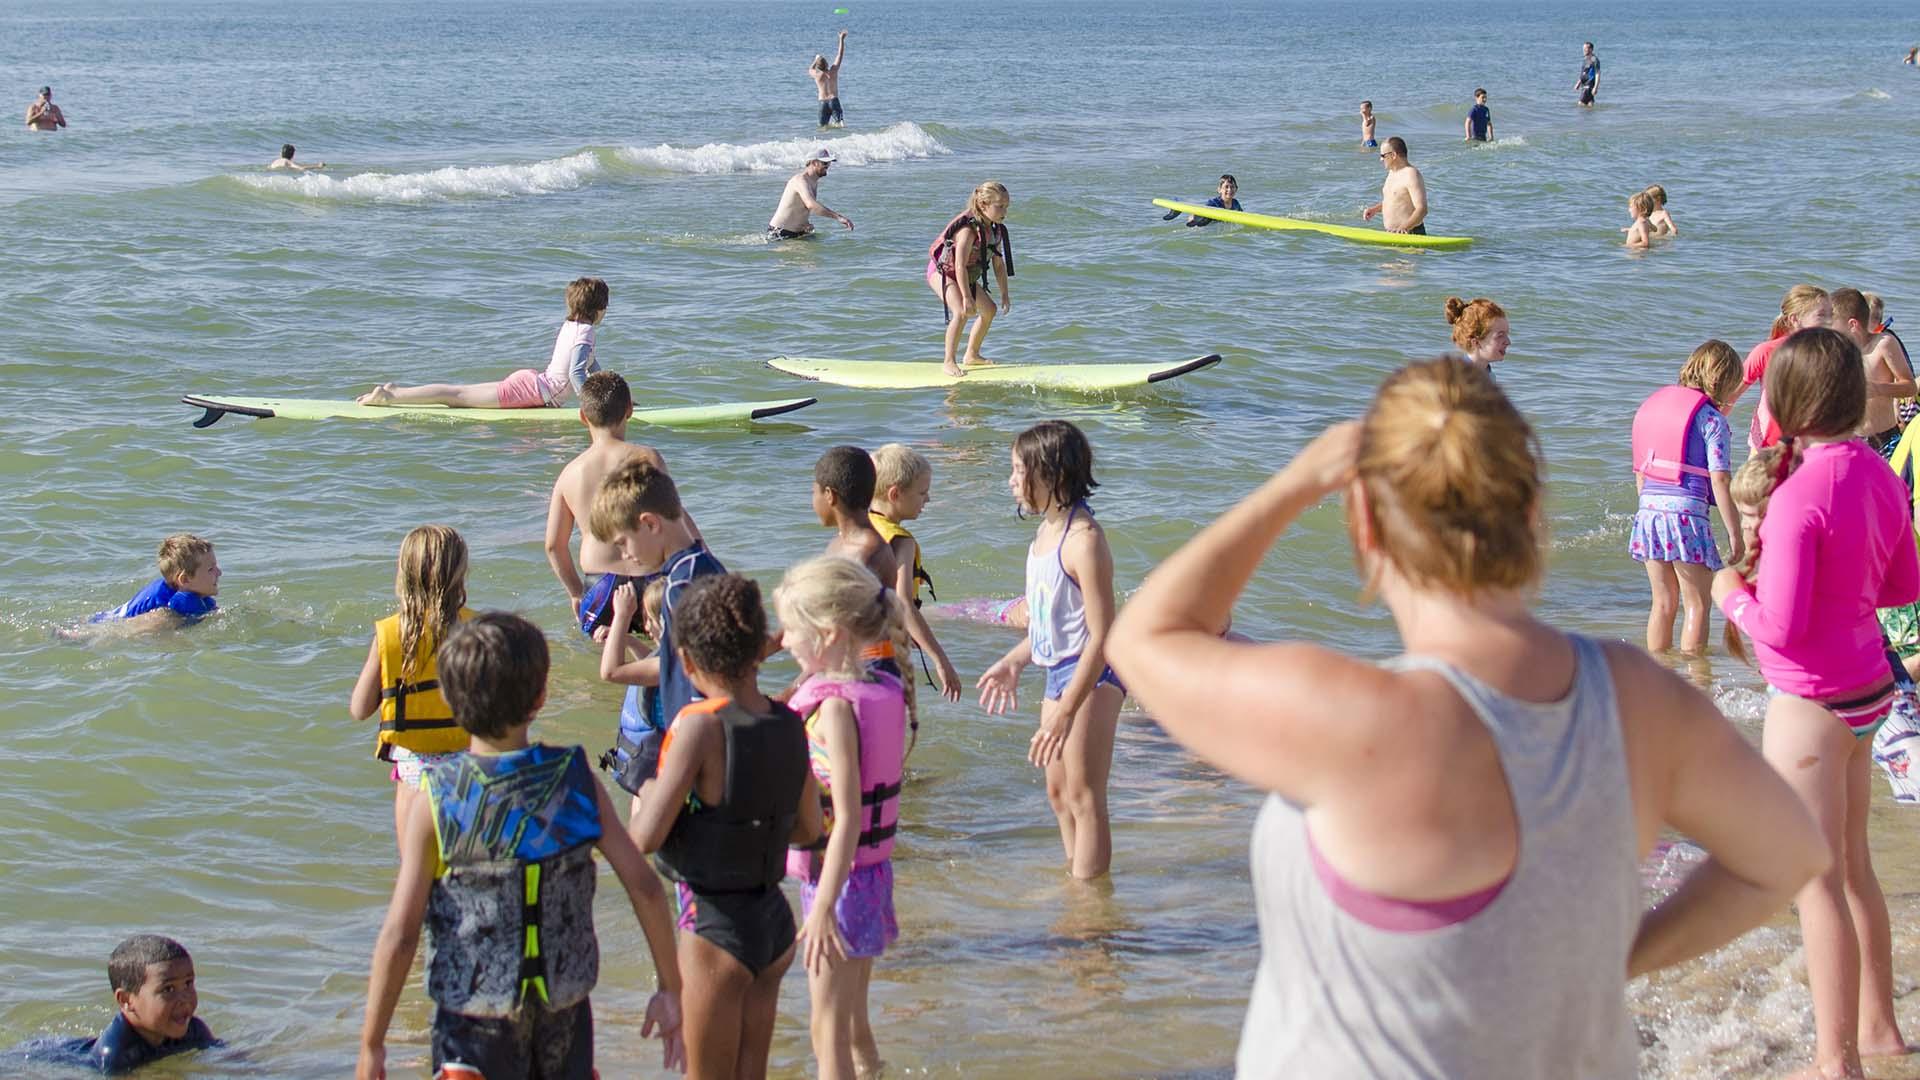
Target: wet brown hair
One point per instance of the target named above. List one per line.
(605, 399)
(1850, 304)
(586, 298)
(493, 670)
(1471, 319)
(1714, 369)
(1453, 478)
(1059, 464)
(1816, 384)
(1659, 193)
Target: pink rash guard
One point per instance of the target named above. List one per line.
(1836, 543)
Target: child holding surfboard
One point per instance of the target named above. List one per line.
(957, 265)
(1070, 611)
(571, 363)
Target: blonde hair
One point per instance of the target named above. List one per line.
(1800, 300)
(1714, 369)
(653, 604)
(1657, 193)
(1471, 319)
(431, 585)
(1640, 203)
(1453, 479)
(1753, 484)
(819, 62)
(831, 593)
(898, 465)
(1876, 308)
(989, 191)
(181, 554)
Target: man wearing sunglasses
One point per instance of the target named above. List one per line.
(1403, 198)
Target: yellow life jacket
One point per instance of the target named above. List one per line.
(890, 529)
(414, 715)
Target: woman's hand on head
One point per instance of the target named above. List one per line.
(1327, 464)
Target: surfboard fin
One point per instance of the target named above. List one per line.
(214, 410)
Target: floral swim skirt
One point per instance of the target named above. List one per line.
(1673, 528)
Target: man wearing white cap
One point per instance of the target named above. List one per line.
(801, 200)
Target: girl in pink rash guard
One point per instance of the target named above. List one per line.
(1835, 542)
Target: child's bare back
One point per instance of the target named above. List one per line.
(869, 549)
(575, 488)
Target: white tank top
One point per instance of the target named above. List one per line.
(1056, 609)
(558, 381)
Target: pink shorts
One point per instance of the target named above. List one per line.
(524, 389)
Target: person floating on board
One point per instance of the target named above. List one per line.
(497, 862)
(183, 593)
(1589, 84)
(1403, 198)
(571, 363)
(606, 404)
(733, 791)
(153, 988)
(1224, 201)
(800, 201)
(43, 114)
(1366, 126)
(826, 79)
(1479, 125)
(957, 264)
(285, 161)
(399, 680)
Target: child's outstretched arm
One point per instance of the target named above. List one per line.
(399, 937)
(1089, 561)
(649, 902)
(824, 945)
(559, 545)
(904, 587)
(1000, 684)
(614, 665)
(364, 701)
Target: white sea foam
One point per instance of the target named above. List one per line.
(898, 143)
(1507, 143)
(538, 178)
(1878, 95)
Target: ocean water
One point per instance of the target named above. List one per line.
(208, 784)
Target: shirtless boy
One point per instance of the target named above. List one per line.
(826, 79)
(605, 406)
(43, 114)
(801, 200)
(285, 160)
(1888, 375)
(1403, 198)
(1366, 126)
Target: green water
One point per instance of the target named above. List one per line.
(209, 785)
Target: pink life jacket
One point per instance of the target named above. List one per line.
(992, 239)
(880, 716)
(1660, 432)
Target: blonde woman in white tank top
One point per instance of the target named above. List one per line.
(1446, 869)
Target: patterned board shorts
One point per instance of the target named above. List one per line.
(864, 912)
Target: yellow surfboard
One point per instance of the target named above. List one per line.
(914, 375)
(1358, 234)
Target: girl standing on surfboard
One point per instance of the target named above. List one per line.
(1070, 610)
(975, 237)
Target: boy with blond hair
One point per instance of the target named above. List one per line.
(183, 593)
(902, 484)
(637, 510)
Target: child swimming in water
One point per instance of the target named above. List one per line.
(733, 791)
(571, 363)
(1640, 233)
(1834, 541)
(1070, 609)
(153, 989)
(400, 680)
(1659, 219)
(183, 593)
(858, 719)
(1682, 465)
(1229, 187)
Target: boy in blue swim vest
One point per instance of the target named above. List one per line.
(152, 980)
(183, 593)
(497, 862)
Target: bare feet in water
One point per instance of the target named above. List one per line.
(379, 395)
